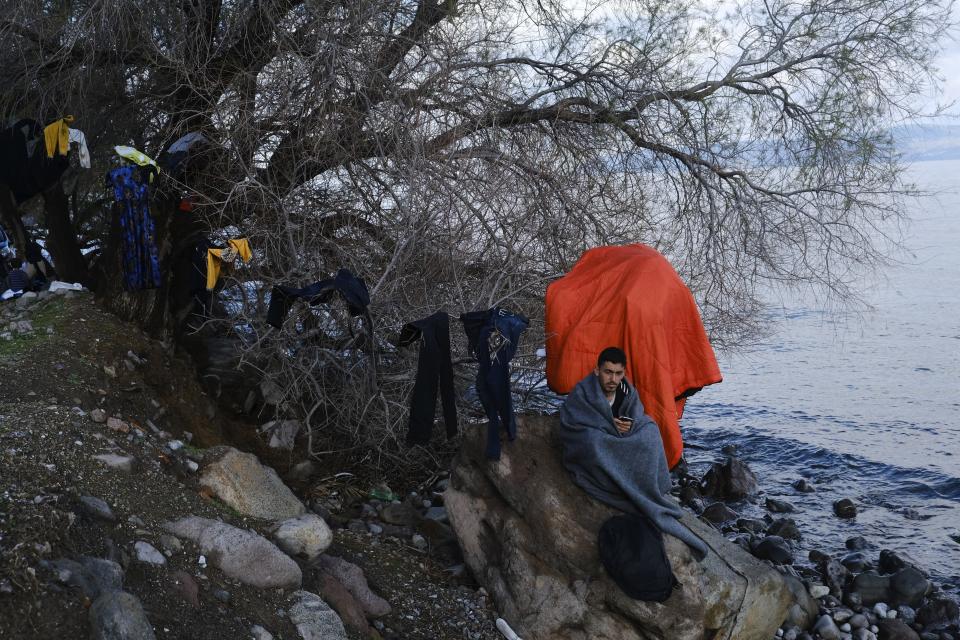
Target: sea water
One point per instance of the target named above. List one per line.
(865, 405)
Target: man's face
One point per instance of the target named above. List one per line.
(610, 375)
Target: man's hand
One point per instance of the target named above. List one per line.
(622, 425)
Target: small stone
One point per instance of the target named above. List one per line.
(751, 525)
(826, 628)
(910, 586)
(895, 630)
(187, 587)
(118, 425)
(841, 615)
(779, 506)
(437, 513)
(819, 590)
(97, 508)
(148, 554)
(785, 528)
(907, 613)
(859, 621)
(803, 486)
(939, 610)
(775, 549)
(855, 562)
(170, 544)
(419, 541)
(98, 415)
(845, 508)
(374, 528)
(259, 633)
(853, 599)
(881, 609)
(222, 595)
(126, 464)
(856, 543)
(119, 615)
(718, 513)
(873, 588)
(136, 521)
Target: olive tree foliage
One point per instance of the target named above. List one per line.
(458, 154)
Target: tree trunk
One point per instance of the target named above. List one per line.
(62, 240)
(158, 311)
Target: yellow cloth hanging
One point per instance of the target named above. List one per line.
(56, 135)
(236, 247)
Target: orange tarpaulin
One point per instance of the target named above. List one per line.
(630, 297)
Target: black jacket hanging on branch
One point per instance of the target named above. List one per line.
(434, 369)
(351, 288)
(24, 165)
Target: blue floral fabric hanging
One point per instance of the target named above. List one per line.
(141, 266)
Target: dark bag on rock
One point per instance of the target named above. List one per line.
(632, 552)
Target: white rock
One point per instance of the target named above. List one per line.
(891, 614)
(819, 590)
(314, 619)
(259, 633)
(241, 554)
(251, 488)
(881, 609)
(123, 463)
(307, 535)
(147, 553)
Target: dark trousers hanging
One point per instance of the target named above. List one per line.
(434, 371)
(493, 336)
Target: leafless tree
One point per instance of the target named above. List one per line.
(459, 153)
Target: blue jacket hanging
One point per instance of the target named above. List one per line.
(141, 266)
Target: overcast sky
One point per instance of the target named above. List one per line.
(949, 64)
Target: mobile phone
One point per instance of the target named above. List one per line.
(625, 418)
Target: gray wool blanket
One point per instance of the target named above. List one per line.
(627, 471)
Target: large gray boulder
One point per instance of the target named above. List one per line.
(242, 555)
(530, 537)
(239, 480)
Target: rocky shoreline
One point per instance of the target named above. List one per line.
(859, 595)
(115, 523)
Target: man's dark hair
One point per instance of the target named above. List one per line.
(613, 355)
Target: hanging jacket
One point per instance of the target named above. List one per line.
(24, 165)
(56, 137)
(352, 289)
(237, 248)
(83, 152)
